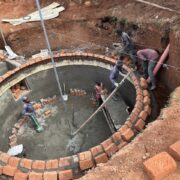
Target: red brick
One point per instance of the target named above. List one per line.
(117, 137)
(35, 176)
(136, 111)
(9, 170)
(38, 165)
(52, 164)
(96, 150)
(13, 161)
(147, 108)
(50, 175)
(20, 176)
(102, 158)
(4, 157)
(128, 134)
(85, 155)
(133, 77)
(145, 93)
(160, 166)
(64, 162)
(122, 144)
(85, 160)
(66, 175)
(139, 124)
(139, 98)
(139, 105)
(123, 129)
(139, 92)
(111, 149)
(132, 117)
(128, 123)
(26, 163)
(174, 150)
(143, 115)
(86, 164)
(6, 75)
(143, 83)
(106, 143)
(146, 101)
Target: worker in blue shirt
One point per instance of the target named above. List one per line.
(28, 110)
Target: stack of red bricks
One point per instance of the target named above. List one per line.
(163, 164)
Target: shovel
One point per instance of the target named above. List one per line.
(65, 96)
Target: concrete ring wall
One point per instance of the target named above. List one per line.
(73, 166)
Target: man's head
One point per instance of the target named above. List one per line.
(97, 83)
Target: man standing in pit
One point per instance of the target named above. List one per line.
(149, 59)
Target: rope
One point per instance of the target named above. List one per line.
(50, 51)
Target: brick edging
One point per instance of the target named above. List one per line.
(73, 166)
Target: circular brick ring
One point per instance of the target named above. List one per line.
(74, 166)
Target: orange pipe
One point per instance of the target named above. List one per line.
(160, 62)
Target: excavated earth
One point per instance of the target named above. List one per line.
(89, 26)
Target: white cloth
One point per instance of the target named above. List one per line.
(15, 150)
(48, 12)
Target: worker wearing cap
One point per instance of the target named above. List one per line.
(29, 111)
(27, 107)
(149, 59)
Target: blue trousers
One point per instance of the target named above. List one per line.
(148, 67)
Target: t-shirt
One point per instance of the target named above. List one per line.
(148, 54)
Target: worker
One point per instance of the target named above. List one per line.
(29, 111)
(128, 46)
(99, 91)
(149, 59)
(114, 74)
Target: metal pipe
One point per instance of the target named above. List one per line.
(160, 62)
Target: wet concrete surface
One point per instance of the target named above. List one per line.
(56, 139)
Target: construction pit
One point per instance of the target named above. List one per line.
(82, 39)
